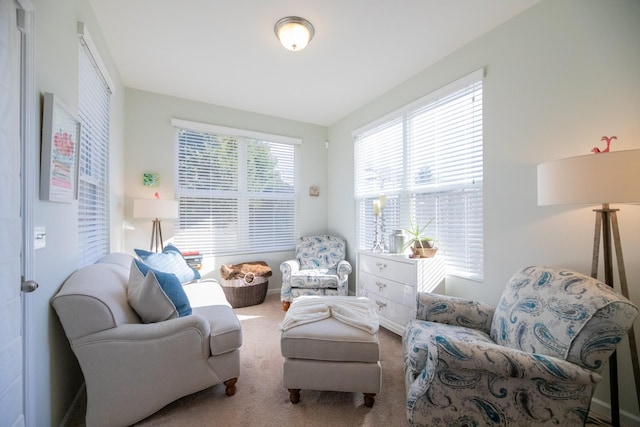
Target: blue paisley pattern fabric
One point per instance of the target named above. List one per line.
(532, 360)
(319, 268)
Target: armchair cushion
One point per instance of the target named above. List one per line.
(320, 278)
(170, 260)
(150, 292)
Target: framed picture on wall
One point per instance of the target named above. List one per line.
(60, 152)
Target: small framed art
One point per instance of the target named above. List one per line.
(60, 152)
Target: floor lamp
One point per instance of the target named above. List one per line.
(599, 179)
(155, 209)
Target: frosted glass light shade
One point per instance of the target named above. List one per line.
(611, 177)
(155, 208)
(294, 32)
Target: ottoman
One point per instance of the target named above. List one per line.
(331, 355)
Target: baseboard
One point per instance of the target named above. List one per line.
(603, 411)
(69, 416)
(273, 291)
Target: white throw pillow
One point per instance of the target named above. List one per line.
(146, 297)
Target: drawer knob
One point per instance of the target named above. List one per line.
(381, 285)
(381, 305)
(381, 265)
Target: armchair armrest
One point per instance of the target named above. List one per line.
(141, 333)
(160, 361)
(290, 266)
(456, 360)
(454, 311)
(343, 269)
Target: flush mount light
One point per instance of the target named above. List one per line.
(294, 32)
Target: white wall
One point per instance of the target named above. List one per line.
(56, 369)
(150, 147)
(558, 77)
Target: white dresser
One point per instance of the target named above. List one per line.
(392, 281)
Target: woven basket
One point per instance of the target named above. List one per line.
(245, 292)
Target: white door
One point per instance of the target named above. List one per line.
(11, 378)
(13, 134)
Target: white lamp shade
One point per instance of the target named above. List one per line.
(155, 208)
(610, 177)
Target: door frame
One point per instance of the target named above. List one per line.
(29, 182)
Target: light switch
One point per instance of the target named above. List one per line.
(39, 237)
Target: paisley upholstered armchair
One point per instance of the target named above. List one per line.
(535, 359)
(319, 268)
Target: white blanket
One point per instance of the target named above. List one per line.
(360, 313)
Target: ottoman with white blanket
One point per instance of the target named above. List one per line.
(330, 343)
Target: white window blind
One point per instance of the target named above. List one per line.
(426, 159)
(237, 193)
(93, 182)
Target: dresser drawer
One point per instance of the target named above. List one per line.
(392, 315)
(400, 293)
(387, 268)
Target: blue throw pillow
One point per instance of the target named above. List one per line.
(170, 260)
(171, 287)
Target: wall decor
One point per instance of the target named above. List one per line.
(60, 152)
(150, 179)
(314, 191)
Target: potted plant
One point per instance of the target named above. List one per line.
(421, 245)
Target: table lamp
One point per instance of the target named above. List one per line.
(600, 179)
(155, 209)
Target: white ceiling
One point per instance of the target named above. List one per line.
(224, 52)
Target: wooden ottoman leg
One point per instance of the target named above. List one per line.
(294, 395)
(369, 399)
(285, 305)
(231, 386)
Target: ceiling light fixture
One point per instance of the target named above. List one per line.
(294, 32)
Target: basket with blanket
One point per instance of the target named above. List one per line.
(246, 283)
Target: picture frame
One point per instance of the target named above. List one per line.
(60, 152)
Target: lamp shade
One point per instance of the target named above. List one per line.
(155, 208)
(609, 177)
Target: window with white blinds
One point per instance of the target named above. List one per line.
(426, 159)
(237, 190)
(94, 97)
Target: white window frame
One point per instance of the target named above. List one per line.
(386, 165)
(237, 233)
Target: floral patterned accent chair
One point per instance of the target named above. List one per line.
(318, 269)
(534, 359)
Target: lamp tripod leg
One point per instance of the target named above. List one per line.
(606, 225)
(156, 237)
(624, 289)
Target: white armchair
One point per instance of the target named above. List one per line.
(319, 268)
(131, 368)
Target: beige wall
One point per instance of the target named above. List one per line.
(55, 368)
(150, 147)
(558, 77)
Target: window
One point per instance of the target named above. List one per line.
(426, 159)
(94, 96)
(237, 190)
